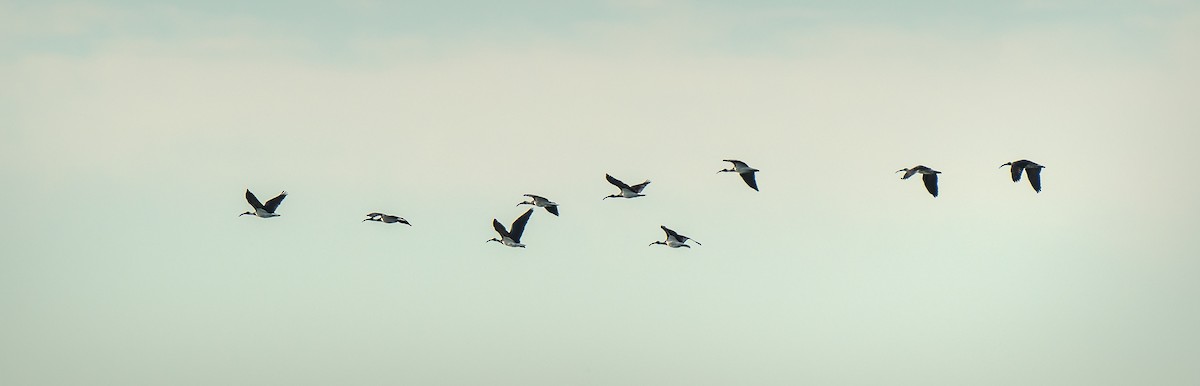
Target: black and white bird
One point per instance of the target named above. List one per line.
(1034, 170)
(744, 170)
(512, 237)
(541, 202)
(928, 175)
(386, 218)
(260, 210)
(674, 240)
(626, 190)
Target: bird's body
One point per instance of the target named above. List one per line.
(626, 190)
(541, 202)
(929, 176)
(674, 239)
(386, 218)
(744, 170)
(512, 237)
(261, 210)
(1032, 168)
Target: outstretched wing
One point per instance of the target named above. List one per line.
(638, 188)
(253, 200)
(553, 209)
(1016, 172)
(737, 164)
(616, 182)
(749, 178)
(499, 228)
(535, 197)
(374, 214)
(909, 173)
(670, 233)
(274, 202)
(1035, 178)
(930, 183)
(518, 226)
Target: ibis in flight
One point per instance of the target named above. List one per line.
(626, 190)
(260, 210)
(541, 202)
(1032, 168)
(674, 240)
(744, 170)
(928, 175)
(512, 237)
(386, 218)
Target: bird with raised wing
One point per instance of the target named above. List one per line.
(626, 190)
(512, 237)
(541, 202)
(386, 218)
(744, 170)
(260, 210)
(1032, 168)
(929, 176)
(674, 239)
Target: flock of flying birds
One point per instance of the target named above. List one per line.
(511, 236)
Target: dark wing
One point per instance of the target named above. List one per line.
(374, 214)
(616, 182)
(1035, 178)
(749, 178)
(535, 197)
(930, 183)
(736, 163)
(638, 188)
(253, 200)
(1016, 172)
(553, 209)
(274, 202)
(499, 228)
(518, 226)
(670, 233)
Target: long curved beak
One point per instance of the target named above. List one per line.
(902, 170)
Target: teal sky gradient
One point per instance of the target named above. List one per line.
(129, 130)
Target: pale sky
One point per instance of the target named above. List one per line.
(129, 131)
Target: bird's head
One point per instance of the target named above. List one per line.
(1006, 164)
(247, 213)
